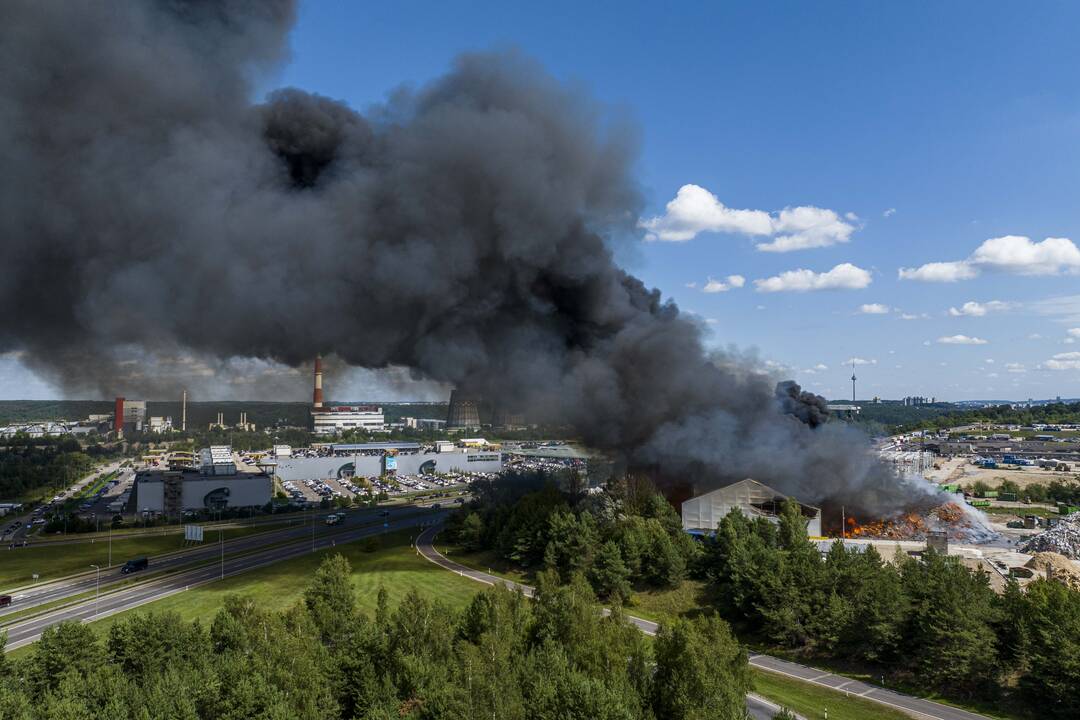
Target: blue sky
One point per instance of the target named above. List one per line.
(936, 126)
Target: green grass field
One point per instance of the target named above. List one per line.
(812, 701)
(395, 566)
(57, 560)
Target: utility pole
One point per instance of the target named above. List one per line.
(110, 544)
(221, 541)
(97, 590)
(853, 381)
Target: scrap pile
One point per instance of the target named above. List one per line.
(958, 522)
(1063, 538)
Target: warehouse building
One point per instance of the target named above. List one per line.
(214, 484)
(342, 418)
(702, 514)
(377, 459)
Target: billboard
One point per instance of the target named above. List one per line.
(193, 532)
(389, 463)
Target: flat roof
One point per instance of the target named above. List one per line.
(348, 447)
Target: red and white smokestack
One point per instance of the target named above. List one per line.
(118, 415)
(316, 397)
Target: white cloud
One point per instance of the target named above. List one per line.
(1068, 341)
(1018, 254)
(992, 375)
(961, 340)
(912, 316)
(989, 361)
(844, 276)
(939, 272)
(889, 213)
(691, 285)
(1073, 332)
(1015, 368)
(695, 210)
(717, 286)
(860, 361)
(975, 309)
(820, 367)
(874, 309)
(1063, 361)
(1035, 336)
(1010, 253)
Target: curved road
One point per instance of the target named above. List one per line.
(756, 705)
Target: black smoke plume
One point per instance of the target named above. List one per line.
(463, 230)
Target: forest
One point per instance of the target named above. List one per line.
(502, 656)
(928, 624)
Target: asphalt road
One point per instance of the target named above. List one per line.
(757, 706)
(35, 595)
(27, 631)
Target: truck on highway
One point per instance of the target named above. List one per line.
(134, 565)
(335, 518)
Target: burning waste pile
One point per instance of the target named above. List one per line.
(1063, 539)
(960, 522)
(488, 205)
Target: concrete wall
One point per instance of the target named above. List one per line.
(244, 491)
(371, 465)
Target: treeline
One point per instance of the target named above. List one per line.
(27, 464)
(1051, 414)
(1055, 491)
(930, 623)
(616, 541)
(501, 657)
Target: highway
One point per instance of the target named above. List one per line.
(24, 632)
(35, 595)
(756, 705)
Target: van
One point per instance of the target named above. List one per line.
(5, 600)
(134, 565)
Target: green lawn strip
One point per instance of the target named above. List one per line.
(487, 561)
(95, 485)
(855, 672)
(170, 530)
(51, 563)
(395, 566)
(811, 701)
(1020, 511)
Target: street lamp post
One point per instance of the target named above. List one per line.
(110, 544)
(97, 588)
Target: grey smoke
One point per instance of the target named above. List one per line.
(463, 230)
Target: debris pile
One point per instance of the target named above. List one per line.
(1063, 538)
(1061, 568)
(958, 521)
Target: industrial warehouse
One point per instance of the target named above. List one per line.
(702, 514)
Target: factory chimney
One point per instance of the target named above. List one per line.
(183, 412)
(118, 416)
(316, 397)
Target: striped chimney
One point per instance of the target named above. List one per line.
(316, 398)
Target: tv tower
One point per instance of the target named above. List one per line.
(852, 382)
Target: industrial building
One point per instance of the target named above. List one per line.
(378, 459)
(129, 415)
(702, 514)
(463, 413)
(341, 418)
(215, 484)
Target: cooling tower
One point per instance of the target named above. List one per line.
(464, 412)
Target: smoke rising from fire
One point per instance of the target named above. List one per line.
(463, 230)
